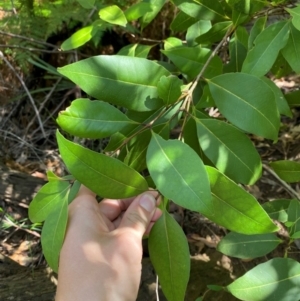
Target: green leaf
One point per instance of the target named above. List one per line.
(73, 191)
(86, 3)
(129, 82)
(295, 13)
(92, 119)
(172, 42)
(281, 102)
(79, 38)
(107, 177)
(190, 61)
(293, 98)
(216, 288)
(256, 29)
(231, 151)
(113, 14)
(268, 43)
(156, 6)
(234, 208)
(276, 279)
(53, 233)
(169, 89)
(51, 176)
(136, 50)
(48, 198)
(289, 171)
(196, 30)
(253, 101)
(281, 67)
(178, 173)
(294, 216)
(215, 34)
(277, 209)
(182, 22)
(202, 9)
(170, 256)
(137, 10)
(291, 52)
(248, 246)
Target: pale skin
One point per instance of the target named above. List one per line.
(101, 256)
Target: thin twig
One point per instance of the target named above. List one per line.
(34, 49)
(156, 289)
(27, 92)
(24, 229)
(287, 187)
(13, 8)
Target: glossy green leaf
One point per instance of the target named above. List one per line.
(248, 246)
(113, 14)
(156, 6)
(293, 98)
(51, 176)
(234, 208)
(295, 13)
(47, 199)
(190, 61)
(106, 176)
(215, 34)
(256, 29)
(170, 256)
(92, 119)
(277, 209)
(202, 9)
(182, 22)
(289, 171)
(136, 50)
(169, 89)
(196, 30)
(86, 3)
(78, 38)
(129, 82)
(281, 102)
(291, 52)
(137, 10)
(53, 233)
(294, 216)
(178, 173)
(268, 43)
(276, 279)
(253, 101)
(230, 150)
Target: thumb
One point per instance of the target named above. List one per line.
(140, 212)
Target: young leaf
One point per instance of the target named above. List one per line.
(252, 99)
(268, 43)
(295, 13)
(178, 173)
(182, 22)
(137, 10)
(136, 50)
(106, 176)
(291, 52)
(156, 6)
(169, 89)
(281, 102)
(92, 119)
(53, 233)
(79, 38)
(248, 246)
(129, 82)
(215, 34)
(202, 9)
(256, 29)
(236, 209)
(170, 256)
(113, 14)
(276, 279)
(190, 60)
(289, 171)
(48, 198)
(231, 151)
(277, 209)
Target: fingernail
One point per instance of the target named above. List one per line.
(148, 202)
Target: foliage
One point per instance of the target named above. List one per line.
(202, 168)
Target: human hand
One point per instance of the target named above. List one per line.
(102, 252)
